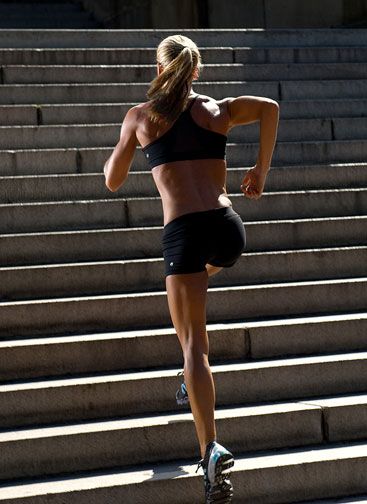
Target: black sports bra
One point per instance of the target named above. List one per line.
(185, 140)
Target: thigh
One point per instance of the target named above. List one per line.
(187, 295)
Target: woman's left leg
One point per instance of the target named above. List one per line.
(186, 295)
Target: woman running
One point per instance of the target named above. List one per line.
(183, 137)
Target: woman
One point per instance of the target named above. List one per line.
(183, 136)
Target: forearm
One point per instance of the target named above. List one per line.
(268, 132)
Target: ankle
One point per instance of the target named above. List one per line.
(204, 447)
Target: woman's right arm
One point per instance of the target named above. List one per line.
(246, 110)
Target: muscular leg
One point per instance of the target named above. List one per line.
(186, 295)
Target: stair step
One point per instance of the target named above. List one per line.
(47, 450)
(118, 311)
(121, 394)
(135, 212)
(248, 37)
(117, 92)
(96, 278)
(93, 114)
(53, 74)
(43, 451)
(125, 56)
(92, 159)
(145, 242)
(283, 476)
(146, 55)
(94, 135)
(52, 355)
(84, 186)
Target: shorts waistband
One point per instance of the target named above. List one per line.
(200, 214)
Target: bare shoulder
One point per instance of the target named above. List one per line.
(212, 114)
(134, 118)
(212, 105)
(137, 112)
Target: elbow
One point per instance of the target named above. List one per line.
(109, 183)
(270, 110)
(272, 105)
(111, 187)
(113, 184)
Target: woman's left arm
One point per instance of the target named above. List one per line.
(117, 166)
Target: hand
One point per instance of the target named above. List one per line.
(253, 184)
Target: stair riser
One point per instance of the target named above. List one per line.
(282, 484)
(234, 72)
(142, 243)
(134, 56)
(119, 312)
(116, 354)
(126, 276)
(48, 137)
(139, 184)
(20, 115)
(33, 217)
(117, 93)
(124, 447)
(84, 160)
(215, 38)
(123, 56)
(123, 397)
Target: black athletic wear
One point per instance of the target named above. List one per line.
(185, 140)
(192, 240)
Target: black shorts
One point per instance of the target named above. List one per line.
(194, 239)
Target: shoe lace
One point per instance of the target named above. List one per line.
(200, 464)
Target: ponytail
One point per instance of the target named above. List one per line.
(169, 91)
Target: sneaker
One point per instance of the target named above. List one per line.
(216, 465)
(182, 396)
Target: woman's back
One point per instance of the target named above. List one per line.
(187, 156)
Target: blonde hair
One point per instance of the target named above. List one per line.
(168, 92)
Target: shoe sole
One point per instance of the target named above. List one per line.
(222, 472)
(223, 465)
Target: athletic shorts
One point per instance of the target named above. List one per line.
(194, 239)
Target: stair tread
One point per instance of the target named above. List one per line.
(182, 469)
(128, 376)
(139, 421)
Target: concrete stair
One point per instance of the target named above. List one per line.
(89, 362)
(45, 14)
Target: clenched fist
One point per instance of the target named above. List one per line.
(253, 184)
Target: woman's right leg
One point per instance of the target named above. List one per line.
(186, 295)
